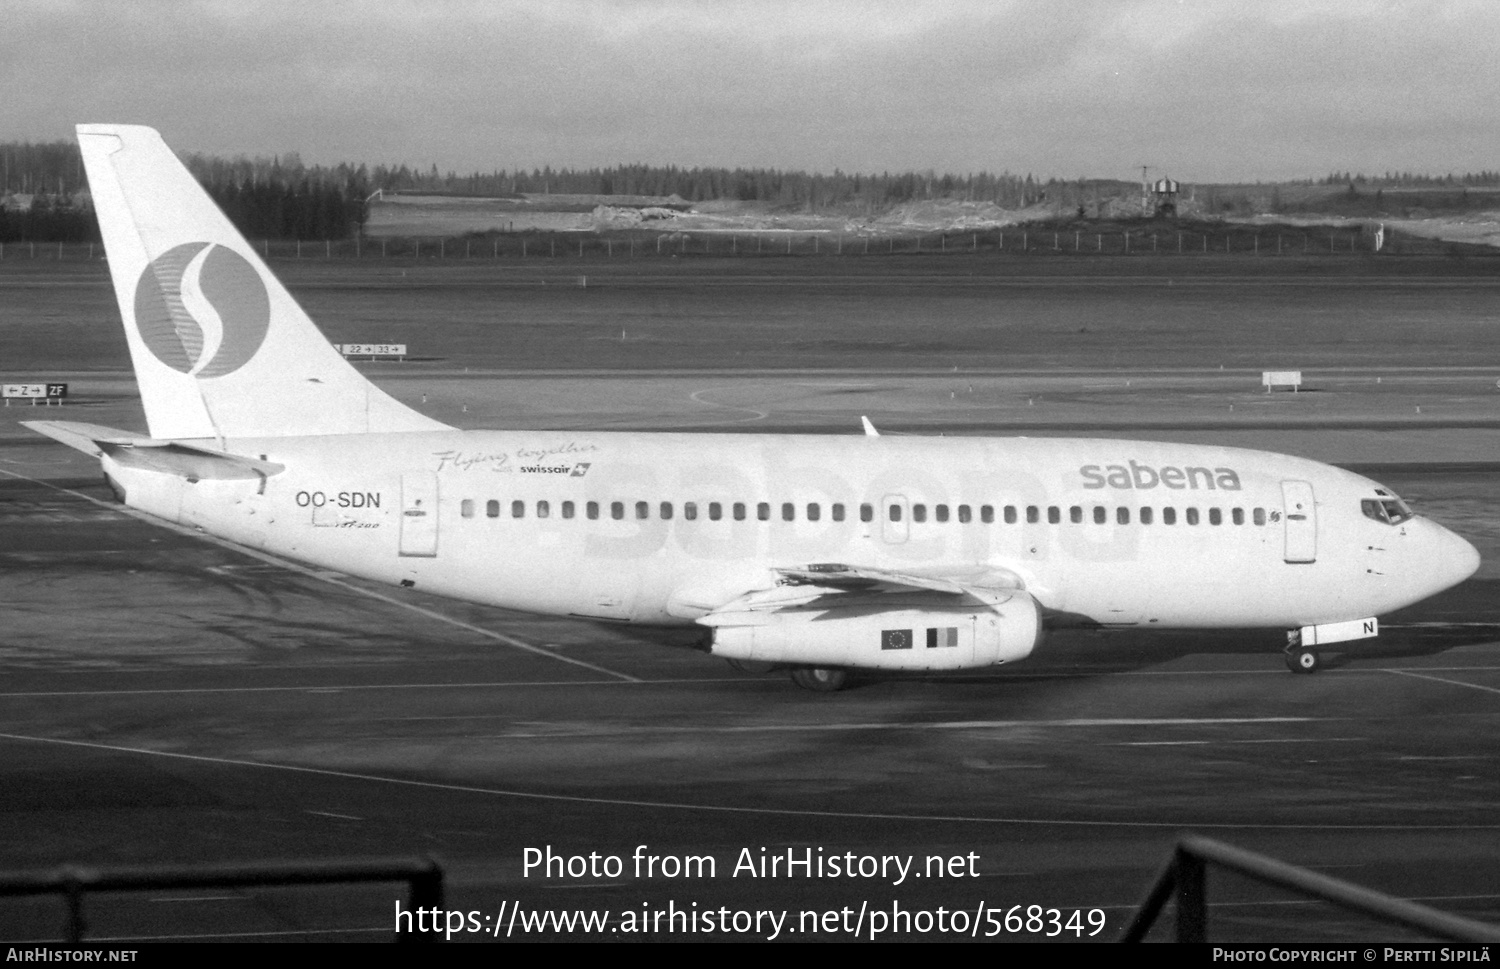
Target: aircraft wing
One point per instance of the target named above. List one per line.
(953, 580)
(835, 585)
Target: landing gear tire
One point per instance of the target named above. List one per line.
(1303, 660)
(752, 665)
(820, 679)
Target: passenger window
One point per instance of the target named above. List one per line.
(690, 510)
(940, 513)
(987, 514)
(1033, 514)
(1010, 514)
(1075, 514)
(715, 511)
(492, 508)
(543, 509)
(592, 510)
(838, 513)
(666, 510)
(866, 513)
(919, 513)
(1215, 516)
(763, 511)
(518, 509)
(965, 515)
(1054, 514)
(1146, 515)
(1169, 516)
(739, 511)
(643, 509)
(466, 508)
(788, 511)
(895, 513)
(1258, 516)
(617, 510)
(1238, 515)
(567, 509)
(1100, 515)
(813, 512)
(1192, 516)
(1122, 515)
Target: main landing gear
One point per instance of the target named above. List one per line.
(1299, 658)
(820, 679)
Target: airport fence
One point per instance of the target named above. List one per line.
(1010, 241)
(423, 877)
(1184, 880)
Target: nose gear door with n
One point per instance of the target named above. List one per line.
(419, 518)
(1301, 520)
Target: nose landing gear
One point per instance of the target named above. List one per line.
(1299, 658)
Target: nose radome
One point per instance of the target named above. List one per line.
(1456, 559)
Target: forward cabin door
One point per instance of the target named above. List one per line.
(419, 519)
(1301, 521)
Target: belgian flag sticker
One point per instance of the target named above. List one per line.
(895, 639)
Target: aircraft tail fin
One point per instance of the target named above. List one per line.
(220, 348)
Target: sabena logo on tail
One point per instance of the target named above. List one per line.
(202, 309)
(221, 349)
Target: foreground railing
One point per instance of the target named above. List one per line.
(1185, 877)
(423, 875)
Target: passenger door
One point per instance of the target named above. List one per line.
(419, 514)
(1301, 521)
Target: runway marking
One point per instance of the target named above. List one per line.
(1289, 902)
(199, 898)
(737, 809)
(1200, 743)
(1441, 679)
(278, 933)
(323, 576)
(760, 415)
(615, 730)
(187, 691)
(641, 681)
(330, 814)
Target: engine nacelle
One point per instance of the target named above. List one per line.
(929, 636)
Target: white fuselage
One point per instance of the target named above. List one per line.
(662, 528)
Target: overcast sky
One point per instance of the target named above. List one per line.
(1201, 90)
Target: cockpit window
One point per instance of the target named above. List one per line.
(1390, 510)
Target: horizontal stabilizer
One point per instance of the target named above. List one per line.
(187, 461)
(81, 437)
(167, 457)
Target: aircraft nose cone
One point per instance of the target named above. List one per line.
(1456, 559)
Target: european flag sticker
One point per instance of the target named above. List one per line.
(895, 639)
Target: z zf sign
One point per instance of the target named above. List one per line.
(35, 391)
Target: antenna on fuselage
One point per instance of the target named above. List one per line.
(869, 428)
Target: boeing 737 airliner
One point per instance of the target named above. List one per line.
(814, 553)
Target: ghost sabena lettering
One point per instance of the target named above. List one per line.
(1143, 477)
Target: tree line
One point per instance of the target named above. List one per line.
(1414, 180)
(276, 198)
(283, 199)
